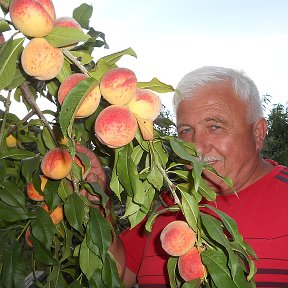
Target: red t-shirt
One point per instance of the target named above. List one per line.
(261, 212)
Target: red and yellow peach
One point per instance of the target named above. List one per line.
(34, 18)
(41, 60)
(118, 86)
(115, 126)
(90, 103)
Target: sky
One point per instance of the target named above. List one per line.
(172, 38)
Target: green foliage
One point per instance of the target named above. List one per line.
(276, 147)
(75, 252)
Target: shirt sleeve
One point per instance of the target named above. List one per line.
(134, 241)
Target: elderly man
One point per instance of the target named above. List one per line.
(219, 109)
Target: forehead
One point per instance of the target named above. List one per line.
(214, 100)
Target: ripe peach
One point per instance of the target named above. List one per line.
(56, 163)
(177, 238)
(145, 104)
(32, 193)
(41, 60)
(190, 266)
(67, 22)
(27, 235)
(90, 103)
(11, 141)
(118, 86)
(115, 126)
(56, 215)
(34, 18)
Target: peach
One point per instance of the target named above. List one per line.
(27, 235)
(115, 126)
(145, 104)
(56, 215)
(56, 163)
(118, 86)
(90, 103)
(177, 238)
(190, 266)
(32, 193)
(67, 22)
(34, 18)
(41, 60)
(11, 141)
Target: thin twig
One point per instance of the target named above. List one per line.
(74, 59)
(31, 101)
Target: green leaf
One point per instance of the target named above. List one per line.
(100, 231)
(96, 280)
(16, 154)
(89, 262)
(4, 26)
(29, 166)
(74, 208)
(56, 278)
(13, 270)
(136, 218)
(17, 80)
(11, 195)
(171, 267)
(84, 58)
(182, 150)
(216, 263)
(110, 274)
(190, 209)
(73, 101)
(48, 139)
(43, 228)
(64, 190)
(115, 57)
(41, 253)
(155, 177)
(156, 85)
(82, 14)
(192, 284)
(11, 214)
(229, 223)
(8, 58)
(63, 74)
(137, 154)
(63, 36)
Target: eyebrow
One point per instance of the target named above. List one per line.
(216, 119)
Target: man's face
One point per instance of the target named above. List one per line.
(216, 121)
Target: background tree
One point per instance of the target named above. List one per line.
(276, 145)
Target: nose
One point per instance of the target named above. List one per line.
(202, 142)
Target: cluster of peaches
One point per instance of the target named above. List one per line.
(36, 19)
(179, 240)
(117, 124)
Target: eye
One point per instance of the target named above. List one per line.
(215, 127)
(184, 131)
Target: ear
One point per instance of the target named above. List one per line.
(259, 130)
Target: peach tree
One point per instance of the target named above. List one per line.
(46, 222)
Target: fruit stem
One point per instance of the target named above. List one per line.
(31, 101)
(74, 59)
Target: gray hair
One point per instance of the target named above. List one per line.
(242, 85)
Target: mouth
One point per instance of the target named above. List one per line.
(209, 160)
